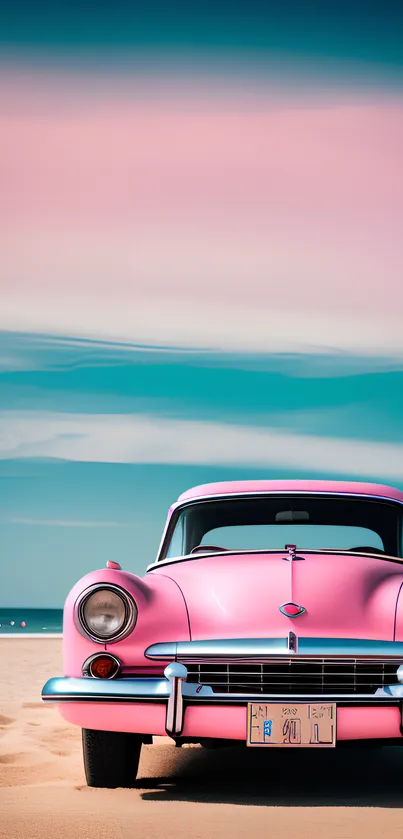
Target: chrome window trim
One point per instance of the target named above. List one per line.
(130, 608)
(179, 505)
(191, 557)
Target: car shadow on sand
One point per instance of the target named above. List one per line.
(258, 777)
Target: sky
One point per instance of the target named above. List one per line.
(200, 266)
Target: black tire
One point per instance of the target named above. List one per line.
(111, 758)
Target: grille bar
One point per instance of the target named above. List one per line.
(289, 675)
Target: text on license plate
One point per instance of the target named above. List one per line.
(291, 724)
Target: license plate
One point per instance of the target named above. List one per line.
(291, 724)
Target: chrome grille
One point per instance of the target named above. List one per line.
(297, 675)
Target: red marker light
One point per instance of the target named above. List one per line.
(104, 667)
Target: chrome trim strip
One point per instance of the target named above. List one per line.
(256, 649)
(130, 609)
(379, 698)
(355, 647)
(70, 689)
(178, 505)
(159, 689)
(140, 689)
(391, 690)
(226, 649)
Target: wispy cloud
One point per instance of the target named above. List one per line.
(12, 363)
(64, 523)
(257, 222)
(147, 439)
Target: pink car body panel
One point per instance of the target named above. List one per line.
(239, 487)
(162, 615)
(238, 595)
(227, 723)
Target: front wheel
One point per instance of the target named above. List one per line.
(111, 758)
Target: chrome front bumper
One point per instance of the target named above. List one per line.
(171, 690)
(176, 693)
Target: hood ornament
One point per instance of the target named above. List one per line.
(292, 610)
(291, 554)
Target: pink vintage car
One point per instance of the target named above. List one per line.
(273, 615)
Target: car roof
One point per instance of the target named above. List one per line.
(319, 486)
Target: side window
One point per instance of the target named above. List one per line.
(177, 541)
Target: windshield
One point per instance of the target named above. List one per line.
(269, 523)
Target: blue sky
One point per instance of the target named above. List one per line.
(167, 416)
(200, 265)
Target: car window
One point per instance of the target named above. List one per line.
(270, 522)
(256, 537)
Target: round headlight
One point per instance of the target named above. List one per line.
(107, 614)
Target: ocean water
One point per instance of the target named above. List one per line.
(19, 621)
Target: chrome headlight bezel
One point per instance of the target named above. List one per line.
(130, 608)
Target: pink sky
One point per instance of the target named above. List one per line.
(228, 207)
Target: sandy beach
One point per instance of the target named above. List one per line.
(180, 792)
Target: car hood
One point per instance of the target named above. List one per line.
(239, 595)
